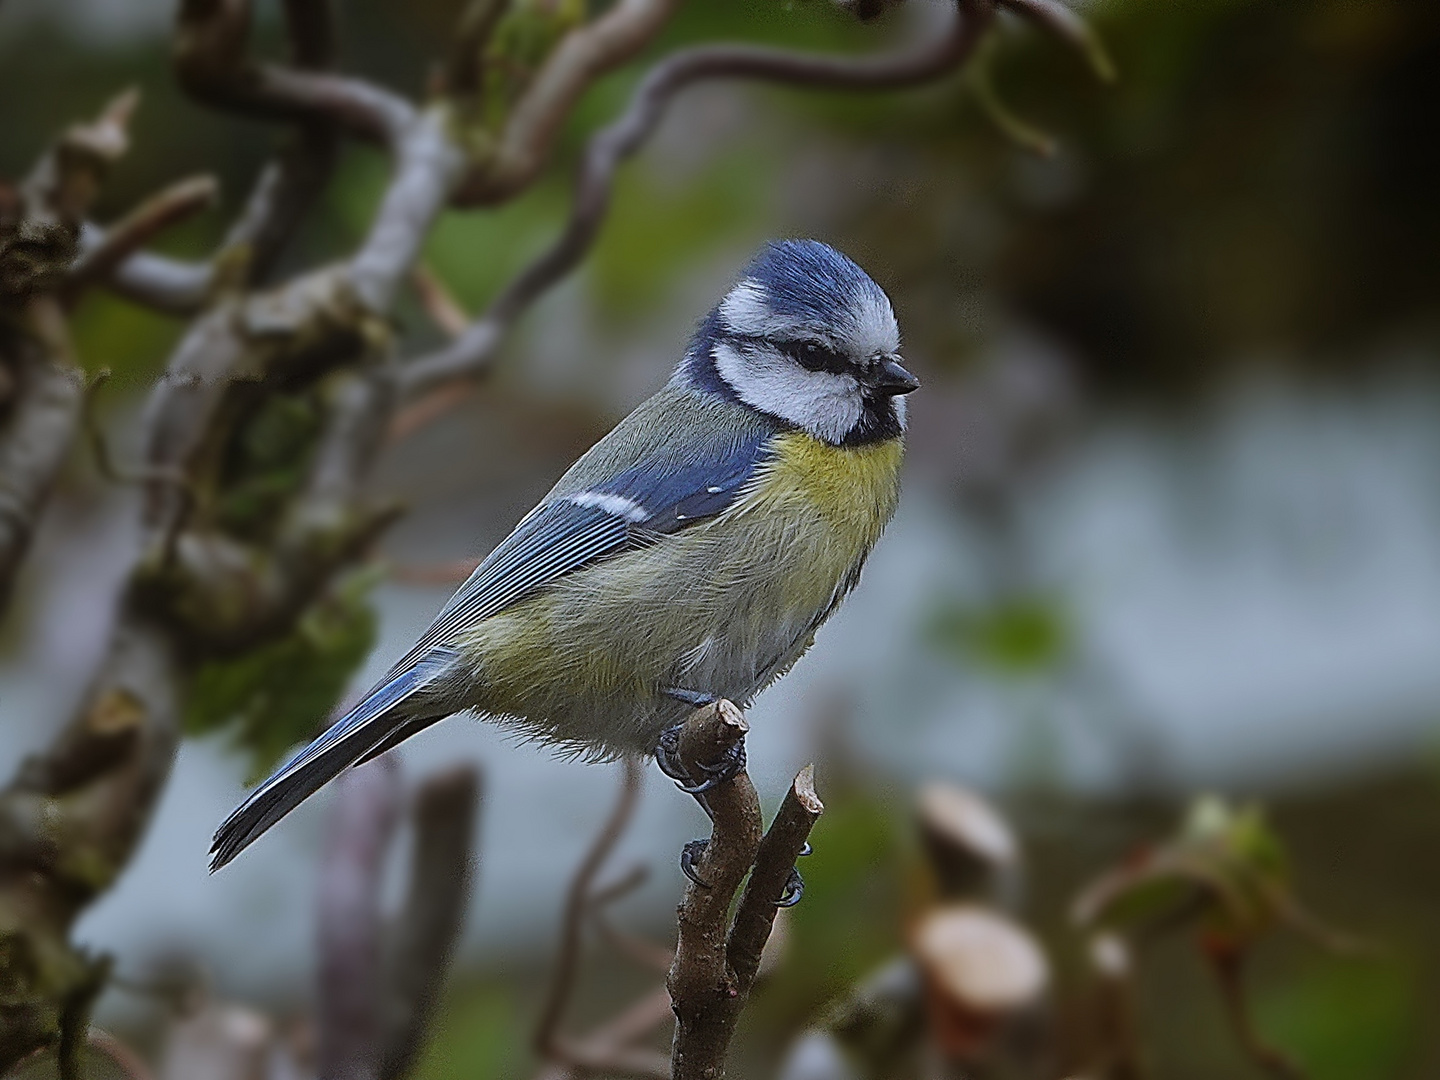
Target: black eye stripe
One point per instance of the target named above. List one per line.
(813, 356)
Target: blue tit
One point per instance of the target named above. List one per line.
(690, 555)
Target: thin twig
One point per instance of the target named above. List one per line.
(211, 63)
(170, 286)
(1065, 24)
(1228, 968)
(462, 68)
(472, 351)
(637, 949)
(438, 302)
(289, 184)
(547, 1040)
(643, 953)
(135, 229)
(774, 863)
(582, 56)
(362, 825)
(125, 1059)
(423, 936)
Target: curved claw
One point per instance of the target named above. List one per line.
(667, 755)
(700, 788)
(807, 849)
(688, 854)
(727, 768)
(793, 891)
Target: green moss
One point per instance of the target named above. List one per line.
(268, 463)
(276, 695)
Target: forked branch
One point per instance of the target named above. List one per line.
(716, 960)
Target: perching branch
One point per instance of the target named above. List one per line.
(715, 959)
(784, 842)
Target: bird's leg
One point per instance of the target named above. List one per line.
(696, 699)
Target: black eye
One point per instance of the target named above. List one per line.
(815, 357)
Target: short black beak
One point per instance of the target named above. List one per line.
(891, 379)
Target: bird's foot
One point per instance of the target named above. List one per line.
(688, 854)
(713, 774)
(795, 884)
(731, 764)
(667, 755)
(793, 891)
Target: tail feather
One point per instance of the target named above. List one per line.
(411, 726)
(379, 722)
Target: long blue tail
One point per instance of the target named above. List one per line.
(380, 721)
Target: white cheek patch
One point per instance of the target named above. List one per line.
(618, 505)
(825, 404)
(898, 404)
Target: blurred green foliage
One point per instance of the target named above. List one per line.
(1227, 857)
(477, 1035)
(1347, 1018)
(275, 696)
(129, 340)
(1020, 635)
(655, 228)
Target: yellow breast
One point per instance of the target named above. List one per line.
(853, 489)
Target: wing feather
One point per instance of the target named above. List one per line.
(562, 535)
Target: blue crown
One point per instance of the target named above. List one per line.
(808, 280)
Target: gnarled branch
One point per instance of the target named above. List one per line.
(212, 63)
(716, 959)
(472, 351)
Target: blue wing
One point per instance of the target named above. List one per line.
(638, 505)
(570, 531)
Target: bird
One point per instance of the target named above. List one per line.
(689, 556)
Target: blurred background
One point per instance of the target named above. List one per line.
(1171, 523)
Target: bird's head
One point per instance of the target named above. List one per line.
(806, 336)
